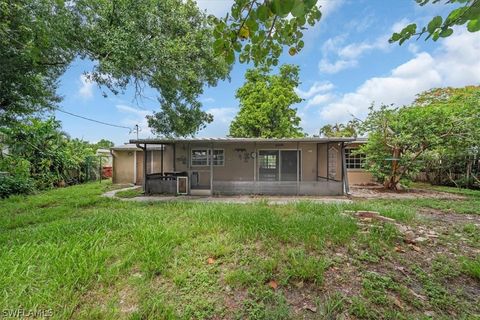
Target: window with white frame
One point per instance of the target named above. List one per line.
(354, 159)
(218, 157)
(202, 157)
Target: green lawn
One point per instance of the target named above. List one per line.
(88, 257)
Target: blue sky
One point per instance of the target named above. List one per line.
(347, 64)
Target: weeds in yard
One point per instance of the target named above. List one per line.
(471, 267)
(88, 257)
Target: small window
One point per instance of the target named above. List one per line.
(354, 159)
(201, 157)
(268, 161)
(218, 157)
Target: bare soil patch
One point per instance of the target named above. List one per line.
(443, 217)
(379, 192)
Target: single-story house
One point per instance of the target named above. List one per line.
(206, 166)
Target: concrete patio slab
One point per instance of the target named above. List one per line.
(230, 199)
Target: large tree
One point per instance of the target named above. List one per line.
(166, 45)
(399, 138)
(266, 104)
(36, 46)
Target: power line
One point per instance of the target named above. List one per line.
(93, 120)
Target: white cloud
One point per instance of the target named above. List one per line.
(332, 44)
(222, 117)
(127, 109)
(316, 88)
(348, 56)
(399, 25)
(86, 87)
(333, 67)
(455, 63)
(208, 100)
(135, 117)
(329, 6)
(218, 8)
(319, 99)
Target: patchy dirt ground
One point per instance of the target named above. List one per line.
(379, 192)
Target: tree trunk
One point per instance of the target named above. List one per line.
(392, 182)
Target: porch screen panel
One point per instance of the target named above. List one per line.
(268, 165)
(289, 165)
(332, 163)
(149, 162)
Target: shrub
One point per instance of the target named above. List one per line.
(10, 185)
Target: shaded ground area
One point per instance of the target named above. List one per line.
(92, 257)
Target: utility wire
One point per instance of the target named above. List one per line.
(93, 120)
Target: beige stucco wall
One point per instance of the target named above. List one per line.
(359, 176)
(123, 166)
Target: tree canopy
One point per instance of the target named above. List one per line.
(258, 30)
(103, 144)
(340, 130)
(468, 12)
(35, 49)
(166, 45)
(266, 104)
(439, 119)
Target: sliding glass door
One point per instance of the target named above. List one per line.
(279, 165)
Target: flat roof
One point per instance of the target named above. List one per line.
(241, 140)
(133, 147)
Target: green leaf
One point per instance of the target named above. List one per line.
(473, 25)
(452, 16)
(218, 45)
(310, 3)
(230, 57)
(252, 24)
(435, 23)
(301, 20)
(298, 9)
(263, 13)
(287, 6)
(446, 33)
(276, 6)
(395, 37)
